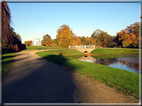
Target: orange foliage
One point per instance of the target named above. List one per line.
(92, 41)
(64, 37)
(16, 48)
(51, 43)
(130, 34)
(46, 42)
(30, 43)
(75, 40)
(104, 42)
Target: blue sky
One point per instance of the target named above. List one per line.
(32, 20)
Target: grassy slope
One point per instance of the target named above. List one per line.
(41, 47)
(7, 62)
(115, 51)
(63, 52)
(122, 80)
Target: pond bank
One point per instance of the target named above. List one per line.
(115, 51)
(128, 63)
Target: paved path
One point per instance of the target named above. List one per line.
(33, 79)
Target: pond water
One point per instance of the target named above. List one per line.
(129, 63)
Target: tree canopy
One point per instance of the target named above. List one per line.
(129, 35)
(102, 38)
(46, 40)
(64, 37)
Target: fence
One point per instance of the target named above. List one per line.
(82, 47)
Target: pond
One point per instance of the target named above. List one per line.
(129, 63)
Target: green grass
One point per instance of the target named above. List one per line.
(115, 51)
(76, 57)
(41, 47)
(7, 62)
(112, 56)
(63, 52)
(122, 80)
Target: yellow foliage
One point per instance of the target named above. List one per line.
(75, 41)
(65, 37)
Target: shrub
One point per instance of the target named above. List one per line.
(125, 44)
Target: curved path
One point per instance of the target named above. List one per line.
(33, 79)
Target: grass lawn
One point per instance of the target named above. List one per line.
(7, 62)
(124, 81)
(112, 56)
(115, 51)
(63, 52)
(42, 47)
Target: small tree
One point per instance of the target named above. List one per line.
(46, 40)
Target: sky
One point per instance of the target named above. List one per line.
(34, 20)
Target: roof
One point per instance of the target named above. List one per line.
(36, 39)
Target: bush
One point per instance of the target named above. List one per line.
(125, 44)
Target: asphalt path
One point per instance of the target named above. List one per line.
(33, 79)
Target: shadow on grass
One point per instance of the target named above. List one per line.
(61, 60)
(7, 59)
(7, 63)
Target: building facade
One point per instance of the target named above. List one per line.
(36, 42)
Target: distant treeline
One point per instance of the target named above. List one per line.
(128, 37)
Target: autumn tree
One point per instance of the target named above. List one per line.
(59, 32)
(130, 35)
(92, 41)
(28, 43)
(53, 43)
(75, 40)
(87, 41)
(64, 37)
(46, 40)
(9, 41)
(7, 38)
(102, 38)
(82, 39)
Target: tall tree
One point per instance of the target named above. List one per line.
(101, 37)
(65, 37)
(8, 39)
(10, 42)
(59, 32)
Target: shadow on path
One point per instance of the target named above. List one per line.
(38, 81)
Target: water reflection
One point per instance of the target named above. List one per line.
(125, 63)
